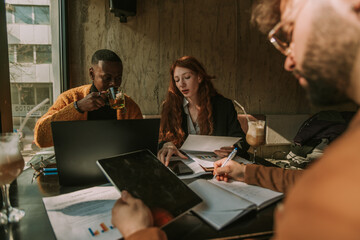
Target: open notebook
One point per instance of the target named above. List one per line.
(223, 202)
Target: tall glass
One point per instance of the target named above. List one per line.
(255, 135)
(11, 165)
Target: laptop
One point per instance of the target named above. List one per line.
(79, 144)
(146, 178)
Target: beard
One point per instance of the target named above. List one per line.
(330, 57)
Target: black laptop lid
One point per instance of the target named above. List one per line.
(79, 144)
(146, 178)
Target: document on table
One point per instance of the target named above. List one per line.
(206, 160)
(200, 148)
(84, 214)
(205, 143)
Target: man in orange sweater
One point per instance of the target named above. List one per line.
(322, 49)
(88, 102)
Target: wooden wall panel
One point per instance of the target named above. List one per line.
(217, 32)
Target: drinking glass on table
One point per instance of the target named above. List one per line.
(11, 165)
(116, 97)
(255, 135)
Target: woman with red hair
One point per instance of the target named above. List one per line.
(193, 106)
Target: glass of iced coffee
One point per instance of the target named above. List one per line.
(255, 135)
(11, 165)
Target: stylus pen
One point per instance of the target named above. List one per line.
(231, 156)
(50, 173)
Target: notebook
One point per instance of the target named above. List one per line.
(146, 178)
(225, 202)
(79, 144)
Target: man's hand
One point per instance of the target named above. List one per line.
(130, 215)
(167, 151)
(92, 101)
(224, 151)
(232, 170)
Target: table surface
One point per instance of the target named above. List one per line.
(36, 225)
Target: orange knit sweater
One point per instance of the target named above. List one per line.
(64, 110)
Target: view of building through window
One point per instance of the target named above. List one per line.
(30, 59)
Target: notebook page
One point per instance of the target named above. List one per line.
(258, 195)
(219, 207)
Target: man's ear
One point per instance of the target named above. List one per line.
(91, 73)
(199, 79)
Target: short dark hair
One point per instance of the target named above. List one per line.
(265, 14)
(104, 55)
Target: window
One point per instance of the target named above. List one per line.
(25, 53)
(32, 75)
(11, 53)
(27, 96)
(42, 93)
(27, 14)
(43, 54)
(23, 14)
(9, 13)
(21, 53)
(41, 15)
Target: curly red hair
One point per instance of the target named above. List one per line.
(172, 107)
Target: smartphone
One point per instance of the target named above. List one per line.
(180, 168)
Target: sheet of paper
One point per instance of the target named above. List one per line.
(84, 214)
(207, 159)
(205, 143)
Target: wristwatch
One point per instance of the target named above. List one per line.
(77, 107)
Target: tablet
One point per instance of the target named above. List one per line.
(146, 178)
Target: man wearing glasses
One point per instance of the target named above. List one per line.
(321, 42)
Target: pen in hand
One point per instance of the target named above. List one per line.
(231, 156)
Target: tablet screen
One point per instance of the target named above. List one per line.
(145, 177)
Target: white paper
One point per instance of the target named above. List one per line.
(84, 214)
(207, 159)
(205, 143)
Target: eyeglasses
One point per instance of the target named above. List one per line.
(281, 39)
(281, 34)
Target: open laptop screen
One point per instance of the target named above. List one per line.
(146, 178)
(79, 144)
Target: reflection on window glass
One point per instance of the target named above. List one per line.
(43, 53)
(27, 96)
(11, 54)
(23, 14)
(25, 53)
(41, 15)
(14, 94)
(41, 94)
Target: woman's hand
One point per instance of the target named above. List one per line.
(224, 151)
(232, 170)
(167, 151)
(130, 215)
